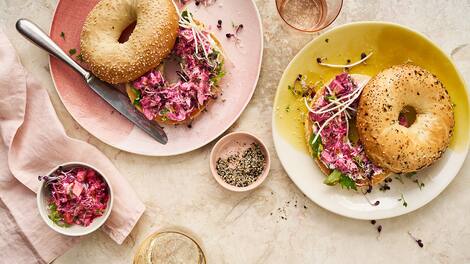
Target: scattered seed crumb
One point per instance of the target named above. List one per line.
(72, 51)
(384, 187)
(62, 35)
(80, 57)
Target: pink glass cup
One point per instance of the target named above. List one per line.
(309, 15)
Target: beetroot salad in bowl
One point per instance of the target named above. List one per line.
(200, 60)
(74, 199)
(329, 125)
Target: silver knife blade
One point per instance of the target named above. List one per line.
(110, 94)
(122, 104)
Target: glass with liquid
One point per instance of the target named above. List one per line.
(169, 247)
(309, 15)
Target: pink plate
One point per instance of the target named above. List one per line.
(243, 65)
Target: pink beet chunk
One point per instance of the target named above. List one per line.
(77, 188)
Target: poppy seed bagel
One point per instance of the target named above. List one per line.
(395, 147)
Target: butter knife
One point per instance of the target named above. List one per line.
(110, 94)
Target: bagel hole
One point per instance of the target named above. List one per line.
(127, 32)
(172, 70)
(407, 116)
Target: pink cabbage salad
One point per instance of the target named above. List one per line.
(77, 196)
(201, 71)
(333, 146)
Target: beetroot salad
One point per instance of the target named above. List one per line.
(330, 115)
(201, 66)
(77, 196)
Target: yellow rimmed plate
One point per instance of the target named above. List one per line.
(391, 44)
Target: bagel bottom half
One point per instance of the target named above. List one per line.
(374, 180)
(215, 89)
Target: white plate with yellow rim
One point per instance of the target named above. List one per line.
(392, 44)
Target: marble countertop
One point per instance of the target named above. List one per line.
(275, 223)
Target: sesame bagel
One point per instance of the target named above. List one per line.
(151, 41)
(395, 147)
(368, 181)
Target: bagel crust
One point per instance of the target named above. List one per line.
(395, 147)
(151, 41)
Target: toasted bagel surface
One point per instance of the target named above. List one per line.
(395, 147)
(151, 41)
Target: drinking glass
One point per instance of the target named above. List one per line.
(169, 247)
(309, 15)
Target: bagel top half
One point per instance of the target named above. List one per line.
(374, 180)
(393, 146)
(151, 41)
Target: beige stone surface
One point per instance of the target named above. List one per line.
(247, 227)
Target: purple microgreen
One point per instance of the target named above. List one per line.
(376, 203)
(402, 199)
(80, 57)
(417, 240)
(420, 184)
(399, 178)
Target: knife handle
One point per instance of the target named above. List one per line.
(35, 34)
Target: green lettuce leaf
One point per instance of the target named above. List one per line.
(347, 182)
(138, 95)
(316, 146)
(344, 181)
(333, 178)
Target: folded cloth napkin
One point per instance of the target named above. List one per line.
(33, 142)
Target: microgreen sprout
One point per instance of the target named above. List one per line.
(340, 104)
(417, 240)
(402, 199)
(187, 21)
(350, 65)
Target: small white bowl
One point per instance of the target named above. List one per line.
(73, 230)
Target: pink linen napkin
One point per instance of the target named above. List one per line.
(34, 142)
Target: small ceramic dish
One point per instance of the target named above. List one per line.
(234, 143)
(75, 229)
